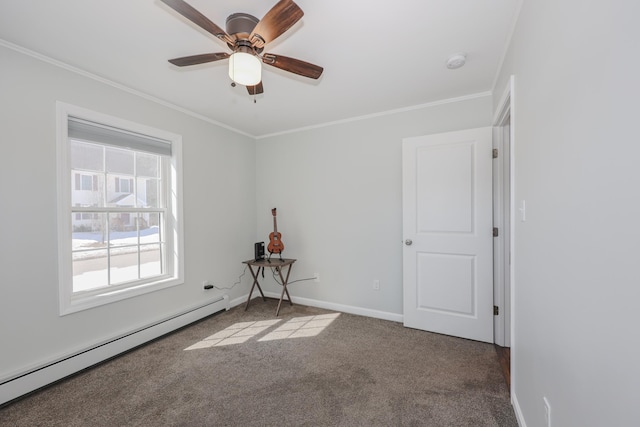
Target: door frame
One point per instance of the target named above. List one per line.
(504, 217)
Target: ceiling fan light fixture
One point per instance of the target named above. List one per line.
(245, 68)
(247, 36)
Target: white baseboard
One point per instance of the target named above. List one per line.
(517, 410)
(240, 300)
(54, 370)
(340, 307)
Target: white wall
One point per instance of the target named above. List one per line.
(219, 212)
(577, 282)
(338, 191)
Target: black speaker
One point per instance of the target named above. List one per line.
(258, 249)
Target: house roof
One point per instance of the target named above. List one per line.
(127, 200)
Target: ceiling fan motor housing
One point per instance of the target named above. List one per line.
(239, 27)
(239, 24)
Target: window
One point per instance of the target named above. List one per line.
(85, 182)
(119, 209)
(124, 185)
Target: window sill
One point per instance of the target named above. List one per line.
(80, 302)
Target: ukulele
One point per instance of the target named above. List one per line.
(275, 245)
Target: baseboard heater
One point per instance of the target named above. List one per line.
(18, 385)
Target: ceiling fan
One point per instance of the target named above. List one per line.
(247, 36)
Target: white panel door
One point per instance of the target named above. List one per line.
(448, 232)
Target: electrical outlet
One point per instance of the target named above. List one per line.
(547, 412)
(206, 285)
(316, 277)
(376, 285)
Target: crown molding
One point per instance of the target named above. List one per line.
(188, 112)
(118, 86)
(382, 113)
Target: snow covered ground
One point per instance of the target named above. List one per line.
(92, 244)
(90, 267)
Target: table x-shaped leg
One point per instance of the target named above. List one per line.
(255, 283)
(284, 287)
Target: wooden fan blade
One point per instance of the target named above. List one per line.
(255, 90)
(279, 19)
(293, 65)
(197, 18)
(199, 59)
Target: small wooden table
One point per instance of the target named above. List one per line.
(272, 263)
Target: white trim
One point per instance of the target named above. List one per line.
(512, 196)
(498, 182)
(159, 101)
(502, 284)
(384, 315)
(55, 369)
(506, 107)
(517, 410)
(381, 114)
(119, 86)
(70, 303)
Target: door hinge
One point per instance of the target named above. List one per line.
(496, 310)
(495, 232)
(495, 153)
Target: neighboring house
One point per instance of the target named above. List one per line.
(129, 186)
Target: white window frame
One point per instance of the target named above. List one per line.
(70, 302)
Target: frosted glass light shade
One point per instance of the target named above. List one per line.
(245, 69)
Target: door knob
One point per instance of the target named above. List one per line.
(408, 242)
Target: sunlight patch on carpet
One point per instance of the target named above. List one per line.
(239, 333)
(299, 327)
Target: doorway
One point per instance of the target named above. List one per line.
(504, 220)
(502, 233)
(437, 298)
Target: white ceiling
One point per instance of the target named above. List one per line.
(377, 55)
